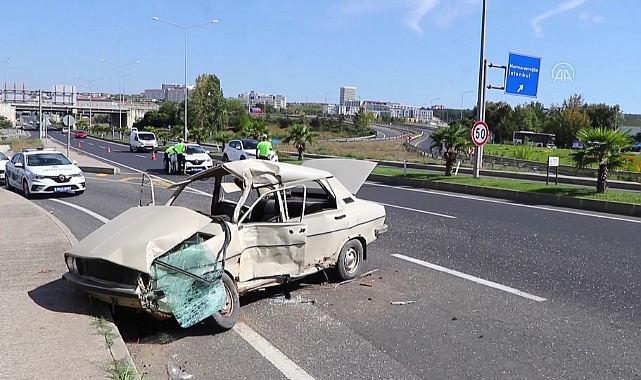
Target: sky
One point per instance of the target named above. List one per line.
(416, 52)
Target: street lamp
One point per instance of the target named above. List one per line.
(113, 131)
(90, 81)
(462, 95)
(4, 97)
(432, 102)
(185, 28)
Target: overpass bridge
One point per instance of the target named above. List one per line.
(128, 112)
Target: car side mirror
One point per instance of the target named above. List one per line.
(74, 162)
(18, 165)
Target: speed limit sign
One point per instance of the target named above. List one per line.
(480, 133)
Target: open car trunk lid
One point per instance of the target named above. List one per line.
(135, 238)
(351, 173)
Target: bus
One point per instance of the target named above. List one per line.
(546, 140)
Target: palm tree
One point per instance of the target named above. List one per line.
(454, 139)
(199, 134)
(254, 128)
(603, 147)
(300, 135)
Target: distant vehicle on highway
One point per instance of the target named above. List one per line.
(43, 171)
(577, 144)
(80, 135)
(65, 130)
(543, 140)
(636, 147)
(3, 164)
(243, 149)
(196, 160)
(141, 140)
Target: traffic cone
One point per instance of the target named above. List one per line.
(153, 156)
(108, 149)
(79, 145)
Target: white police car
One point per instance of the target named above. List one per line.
(43, 171)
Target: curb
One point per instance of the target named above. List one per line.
(99, 170)
(119, 349)
(585, 204)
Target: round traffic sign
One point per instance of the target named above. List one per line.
(69, 121)
(480, 133)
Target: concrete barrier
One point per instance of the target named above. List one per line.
(586, 204)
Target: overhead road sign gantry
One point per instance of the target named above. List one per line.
(522, 75)
(480, 133)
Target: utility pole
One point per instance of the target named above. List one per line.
(40, 113)
(480, 116)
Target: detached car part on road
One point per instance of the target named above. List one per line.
(175, 262)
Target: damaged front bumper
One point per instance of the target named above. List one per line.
(116, 294)
(378, 231)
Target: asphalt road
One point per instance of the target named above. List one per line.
(501, 291)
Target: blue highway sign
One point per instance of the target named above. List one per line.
(522, 75)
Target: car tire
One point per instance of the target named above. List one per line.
(225, 158)
(350, 260)
(166, 166)
(227, 317)
(131, 149)
(25, 189)
(242, 158)
(7, 185)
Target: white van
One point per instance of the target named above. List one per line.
(141, 140)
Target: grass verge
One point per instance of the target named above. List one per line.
(18, 145)
(117, 369)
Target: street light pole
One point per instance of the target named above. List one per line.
(4, 88)
(90, 81)
(480, 108)
(462, 95)
(113, 128)
(185, 28)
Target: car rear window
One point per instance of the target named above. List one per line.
(47, 159)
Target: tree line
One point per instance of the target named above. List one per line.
(565, 120)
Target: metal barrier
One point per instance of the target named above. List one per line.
(142, 188)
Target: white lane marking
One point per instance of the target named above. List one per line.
(284, 364)
(415, 210)
(101, 147)
(138, 155)
(80, 208)
(470, 278)
(507, 203)
(90, 143)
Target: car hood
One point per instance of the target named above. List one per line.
(351, 173)
(55, 169)
(135, 238)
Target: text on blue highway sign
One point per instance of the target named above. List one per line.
(522, 75)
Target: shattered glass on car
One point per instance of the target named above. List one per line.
(190, 277)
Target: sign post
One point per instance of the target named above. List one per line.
(522, 75)
(69, 121)
(553, 162)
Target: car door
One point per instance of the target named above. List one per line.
(268, 248)
(14, 172)
(234, 151)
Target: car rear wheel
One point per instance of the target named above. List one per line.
(7, 185)
(227, 317)
(350, 260)
(242, 157)
(225, 158)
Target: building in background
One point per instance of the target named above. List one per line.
(253, 98)
(168, 92)
(347, 94)
(381, 109)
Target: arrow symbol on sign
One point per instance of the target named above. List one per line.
(520, 88)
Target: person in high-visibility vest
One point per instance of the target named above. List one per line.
(263, 148)
(168, 152)
(180, 149)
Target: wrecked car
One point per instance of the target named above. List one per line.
(172, 261)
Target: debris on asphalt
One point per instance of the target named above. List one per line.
(402, 302)
(366, 284)
(177, 372)
(289, 301)
(354, 279)
(454, 318)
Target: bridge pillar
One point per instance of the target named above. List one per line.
(9, 111)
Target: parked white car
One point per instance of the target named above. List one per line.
(3, 164)
(43, 171)
(172, 261)
(196, 160)
(140, 140)
(243, 149)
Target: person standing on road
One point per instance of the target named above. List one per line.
(263, 148)
(180, 155)
(168, 152)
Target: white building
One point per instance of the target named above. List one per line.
(337, 109)
(252, 98)
(347, 94)
(399, 111)
(169, 92)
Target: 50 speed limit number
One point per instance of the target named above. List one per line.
(480, 133)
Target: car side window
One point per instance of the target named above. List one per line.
(16, 158)
(317, 199)
(234, 144)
